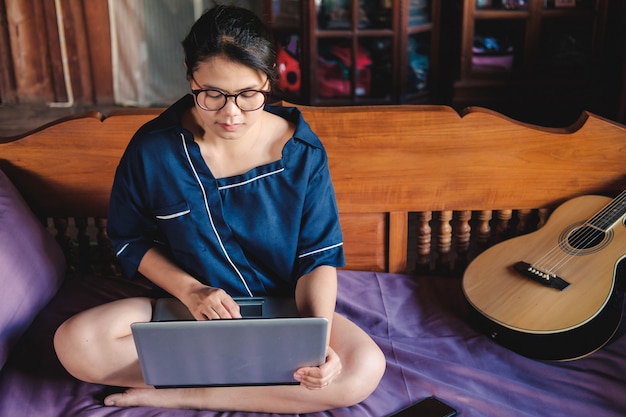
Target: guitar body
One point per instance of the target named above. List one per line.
(540, 321)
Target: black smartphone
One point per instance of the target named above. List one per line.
(428, 407)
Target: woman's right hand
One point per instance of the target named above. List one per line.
(208, 303)
(204, 302)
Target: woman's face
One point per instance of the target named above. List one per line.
(229, 77)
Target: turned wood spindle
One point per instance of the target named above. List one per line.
(423, 243)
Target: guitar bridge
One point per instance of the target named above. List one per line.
(544, 278)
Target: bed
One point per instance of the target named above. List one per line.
(422, 191)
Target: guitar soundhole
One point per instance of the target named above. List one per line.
(585, 238)
(580, 240)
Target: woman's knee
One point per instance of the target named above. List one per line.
(363, 369)
(358, 384)
(86, 342)
(71, 344)
(368, 367)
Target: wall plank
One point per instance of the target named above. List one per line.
(7, 78)
(99, 33)
(29, 50)
(31, 64)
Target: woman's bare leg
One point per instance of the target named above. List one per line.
(363, 367)
(97, 346)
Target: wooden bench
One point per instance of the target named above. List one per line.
(419, 188)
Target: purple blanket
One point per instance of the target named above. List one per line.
(420, 324)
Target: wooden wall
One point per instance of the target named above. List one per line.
(31, 59)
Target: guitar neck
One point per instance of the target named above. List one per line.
(611, 214)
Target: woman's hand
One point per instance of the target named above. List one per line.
(203, 302)
(208, 303)
(319, 377)
(316, 293)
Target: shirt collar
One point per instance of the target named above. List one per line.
(303, 130)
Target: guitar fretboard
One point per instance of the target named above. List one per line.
(610, 214)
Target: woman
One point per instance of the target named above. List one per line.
(223, 196)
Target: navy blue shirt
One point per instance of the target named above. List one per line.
(250, 234)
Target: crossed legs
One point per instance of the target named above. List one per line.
(97, 346)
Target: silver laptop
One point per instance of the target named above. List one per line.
(263, 348)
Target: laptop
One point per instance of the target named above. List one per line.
(265, 347)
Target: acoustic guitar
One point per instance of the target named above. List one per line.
(557, 293)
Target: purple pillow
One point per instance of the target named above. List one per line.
(32, 266)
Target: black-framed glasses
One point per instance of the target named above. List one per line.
(247, 100)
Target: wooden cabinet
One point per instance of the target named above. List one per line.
(520, 50)
(419, 56)
(348, 52)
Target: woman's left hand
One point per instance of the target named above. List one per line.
(319, 377)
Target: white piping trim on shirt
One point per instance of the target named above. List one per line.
(173, 215)
(208, 210)
(313, 252)
(119, 252)
(224, 187)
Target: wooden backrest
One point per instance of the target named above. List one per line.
(454, 172)
(461, 179)
(67, 167)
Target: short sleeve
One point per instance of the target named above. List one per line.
(321, 240)
(129, 228)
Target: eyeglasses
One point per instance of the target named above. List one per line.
(213, 100)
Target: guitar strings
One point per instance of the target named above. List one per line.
(580, 240)
(581, 237)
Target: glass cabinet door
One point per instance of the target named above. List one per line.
(343, 72)
(334, 14)
(354, 50)
(285, 20)
(351, 14)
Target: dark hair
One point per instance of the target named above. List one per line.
(234, 33)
